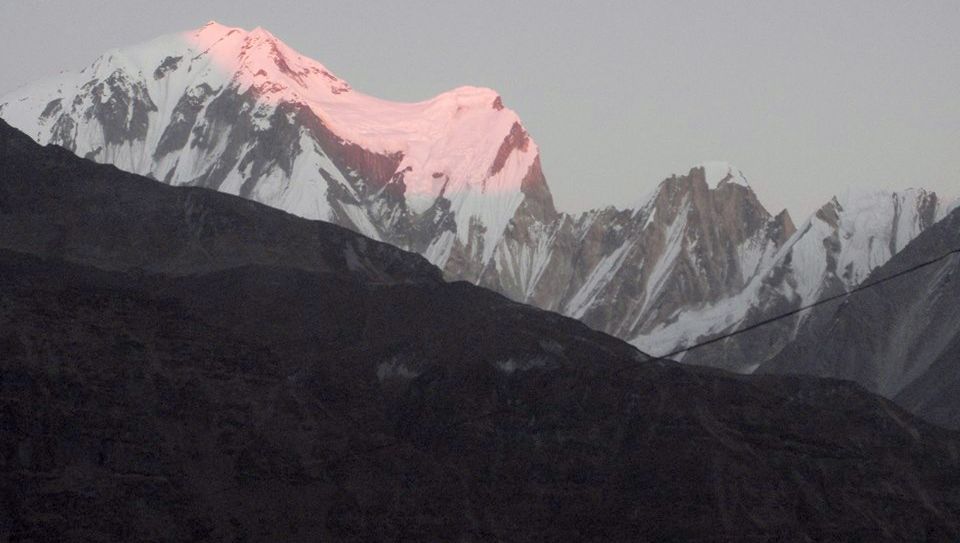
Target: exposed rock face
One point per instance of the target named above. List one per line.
(458, 179)
(900, 339)
(701, 257)
(832, 252)
(628, 271)
(178, 364)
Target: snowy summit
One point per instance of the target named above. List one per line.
(241, 112)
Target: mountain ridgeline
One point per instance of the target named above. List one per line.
(457, 178)
(179, 364)
(901, 338)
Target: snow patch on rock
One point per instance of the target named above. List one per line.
(718, 172)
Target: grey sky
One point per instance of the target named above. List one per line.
(804, 97)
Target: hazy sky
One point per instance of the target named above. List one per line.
(804, 97)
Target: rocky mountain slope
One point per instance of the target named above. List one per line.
(701, 256)
(458, 179)
(830, 253)
(900, 339)
(181, 364)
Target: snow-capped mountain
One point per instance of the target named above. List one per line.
(901, 338)
(458, 179)
(242, 113)
(697, 239)
(832, 252)
(701, 256)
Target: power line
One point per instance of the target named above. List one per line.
(396, 442)
(801, 309)
(743, 330)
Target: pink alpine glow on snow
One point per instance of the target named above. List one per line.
(464, 139)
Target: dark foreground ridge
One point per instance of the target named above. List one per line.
(178, 364)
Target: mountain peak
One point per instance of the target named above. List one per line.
(259, 31)
(213, 29)
(718, 172)
(713, 176)
(258, 58)
(240, 111)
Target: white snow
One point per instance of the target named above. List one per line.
(451, 139)
(650, 218)
(674, 245)
(439, 249)
(695, 323)
(522, 265)
(599, 277)
(755, 254)
(872, 225)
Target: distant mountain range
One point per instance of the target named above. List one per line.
(457, 179)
